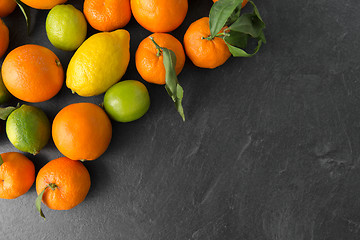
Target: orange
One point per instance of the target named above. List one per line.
(202, 52)
(4, 38)
(7, 7)
(242, 5)
(71, 182)
(82, 131)
(32, 73)
(107, 15)
(159, 15)
(43, 4)
(17, 175)
(149, 62)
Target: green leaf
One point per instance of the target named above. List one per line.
(26, 12)
(234, 16)
(256, 12)
(237, 39)
(249, 24)
(172, 85)
(38, 202)
(39, 198)
(238, 52)
(5, 112)
(221, 12)
(1, 161)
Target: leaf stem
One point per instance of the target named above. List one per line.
(158, 48)
(220, 34)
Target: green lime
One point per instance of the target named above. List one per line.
(127, 101)
(28, 129)
(66, 27)
(4, 93)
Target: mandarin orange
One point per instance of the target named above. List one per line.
(149, 61)
(82, 131)
(204, 52)
(159, 15)
(32, 73)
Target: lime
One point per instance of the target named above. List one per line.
(127, 101)
(28, 129)
(66, 27)
(4, 93)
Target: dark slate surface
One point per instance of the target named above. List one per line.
(269, 151)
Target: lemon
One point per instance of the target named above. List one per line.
(66, 27)
(99, 63)
(28, 129)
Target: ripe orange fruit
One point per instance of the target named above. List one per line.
(70, 180)
(7, 7)
(42, 4)
(242, 5)
(17, 175)
(159, 15)
(4, 38)
(107, 15)
(149, 62)
(202, 52)
(82, 131)
(32, 73)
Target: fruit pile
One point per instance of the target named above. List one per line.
(83, 131)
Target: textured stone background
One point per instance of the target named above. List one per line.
(269, 151)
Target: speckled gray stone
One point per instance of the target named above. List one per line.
(269, 151)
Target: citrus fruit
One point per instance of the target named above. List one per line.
(82, 131)
(43, 4)
(32, 73)
(203, 52)
(66, 27)
(159, 15)
(28, 129)
(107, 15)
(17, 175)
(69, 179)
(242, 5)
(99, 63)
(127, 101)
(4, 38)
(149, 61)
(4, 93)
(7, 7)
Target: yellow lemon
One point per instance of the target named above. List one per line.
(99, 63)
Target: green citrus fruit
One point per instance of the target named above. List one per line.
(28, 129)
(66, 27)
(4, 93)
(127, 101)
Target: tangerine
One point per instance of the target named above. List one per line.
(4, 38)
(242, 5)
(202, 51)
(7, 7)
(159, 15)
(17, 175)
(32, 73)
(82, 131)
(149, 61)
(41, 4)
(107, 15)
(69, 181)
